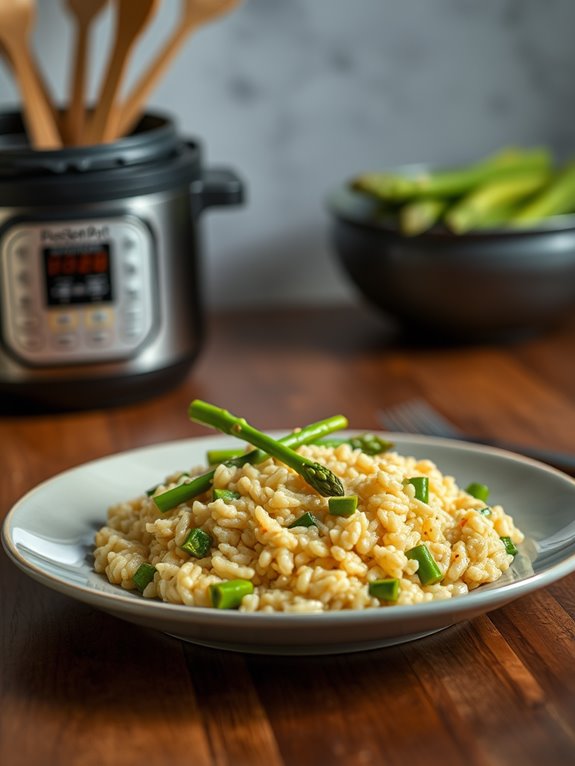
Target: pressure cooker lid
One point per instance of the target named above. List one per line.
(154, 138)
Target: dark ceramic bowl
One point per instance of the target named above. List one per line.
(481, 285)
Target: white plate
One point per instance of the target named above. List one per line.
(49, 535)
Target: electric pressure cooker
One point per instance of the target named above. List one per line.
(100, 294)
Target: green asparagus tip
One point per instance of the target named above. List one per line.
(321, 479)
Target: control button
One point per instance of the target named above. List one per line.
(25, 302)
(63, 321)
(24, 278)
(99, 338)
(31, 342)
(62, 292)
(29, 324)
(100, 318)
(132, 325)
(133, 294)
(131, 334)
(65, 341)
(132, 318)
(129, 243)
(22, 252)
(130, 268)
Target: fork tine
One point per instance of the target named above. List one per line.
(432, 420)
(394, 420)
(417, 416)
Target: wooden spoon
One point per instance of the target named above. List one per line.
(84, 13)
(16, 20)
(132, 18)
(194, 13)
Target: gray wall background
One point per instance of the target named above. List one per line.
(297, 95)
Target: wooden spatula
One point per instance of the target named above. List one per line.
(84, 12)
(16, 20)
(194, 14)
(132, 18)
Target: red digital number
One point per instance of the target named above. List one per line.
(53, 266)
(100, 262)
(69, 265)
(85, 263)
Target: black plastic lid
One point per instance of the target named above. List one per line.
(153, 157)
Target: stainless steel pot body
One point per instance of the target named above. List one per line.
(100, 267)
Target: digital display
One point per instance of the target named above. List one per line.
(79, 275)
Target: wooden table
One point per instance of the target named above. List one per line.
(79, 687)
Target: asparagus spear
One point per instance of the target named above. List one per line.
(472, 210)
(449, 183)
(165, 501)
(316, 475)
(420, 215)
(500, 216)
(558, 197)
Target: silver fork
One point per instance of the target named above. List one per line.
(419, 417)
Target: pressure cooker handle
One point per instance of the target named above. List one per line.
(216, 187)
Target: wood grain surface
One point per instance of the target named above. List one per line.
(79, 687)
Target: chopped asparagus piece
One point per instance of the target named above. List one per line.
(197, 543)
(144, 575)
(307, 519)
(421, 486)
(225, 494)
(428, 571)
(229, 593)
(386, 590)
(342, 506)
(371, 444)
(509, 546)
(477, 490)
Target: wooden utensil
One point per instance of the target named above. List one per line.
(132, 18)
(84, 13)
(16, 20)
(194, 13)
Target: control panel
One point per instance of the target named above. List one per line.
(77, 291)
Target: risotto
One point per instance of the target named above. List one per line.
(288, 549)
